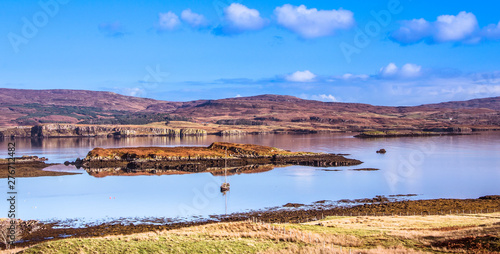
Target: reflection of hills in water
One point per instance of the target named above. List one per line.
(217, 171)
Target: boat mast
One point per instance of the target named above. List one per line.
(225, 167)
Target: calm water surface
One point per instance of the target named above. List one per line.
(433, 167)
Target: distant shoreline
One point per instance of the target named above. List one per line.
(125, 131)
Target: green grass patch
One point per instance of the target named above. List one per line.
(160, 244)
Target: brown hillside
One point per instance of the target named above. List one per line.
(490, 103)
(263, 113)
(62, 97)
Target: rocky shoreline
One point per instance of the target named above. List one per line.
(291, 213)
(122, 131)
(237, 157)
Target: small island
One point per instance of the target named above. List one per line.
(238, 158)
(424, 133)
(28, 166)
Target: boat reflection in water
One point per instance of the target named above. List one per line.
(225, 186)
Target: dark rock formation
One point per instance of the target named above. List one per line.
(232, 133)
(450, 129)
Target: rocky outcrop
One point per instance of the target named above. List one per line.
(232, 133)
(192, 132)
(24, 159)
(451, 129)
(20, 131)
(70, 130)
(201, 159)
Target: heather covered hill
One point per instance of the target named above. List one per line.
(288, 111)
(262, 113)
(29, 107)
(490, 103)
(62, 97)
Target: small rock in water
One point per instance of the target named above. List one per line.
(293, 205)
(381, 151)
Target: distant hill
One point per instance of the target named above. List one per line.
(262, 112)
(28, 107)
(62, 97)
(491, 103)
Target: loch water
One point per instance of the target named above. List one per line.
(433, 167)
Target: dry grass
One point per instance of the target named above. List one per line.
(215, 150)
(412, 222)
(366, 234)
(340, 250)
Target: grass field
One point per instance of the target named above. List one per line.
(479, 233)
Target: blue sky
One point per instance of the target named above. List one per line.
(379, 52)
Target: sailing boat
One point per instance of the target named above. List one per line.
(225, 186)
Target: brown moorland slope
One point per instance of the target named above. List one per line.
(291, 112)
(256, 113)
(490, 103)
(64, 97)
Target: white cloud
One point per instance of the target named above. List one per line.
(462, 27)
(408, 70)
(238, 96)
(409, 84)
(491, 32)
(193, 19)
(350, 76)
(390, 70)
(311, 23)
(136, 91)
(486, 78)
(324, 97)
(301, 76)
(168, 21)
(412, 31)
(240, 18)
(474, 90)
(455, 28)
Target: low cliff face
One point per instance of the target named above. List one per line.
(70, 130)
(20, 131)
